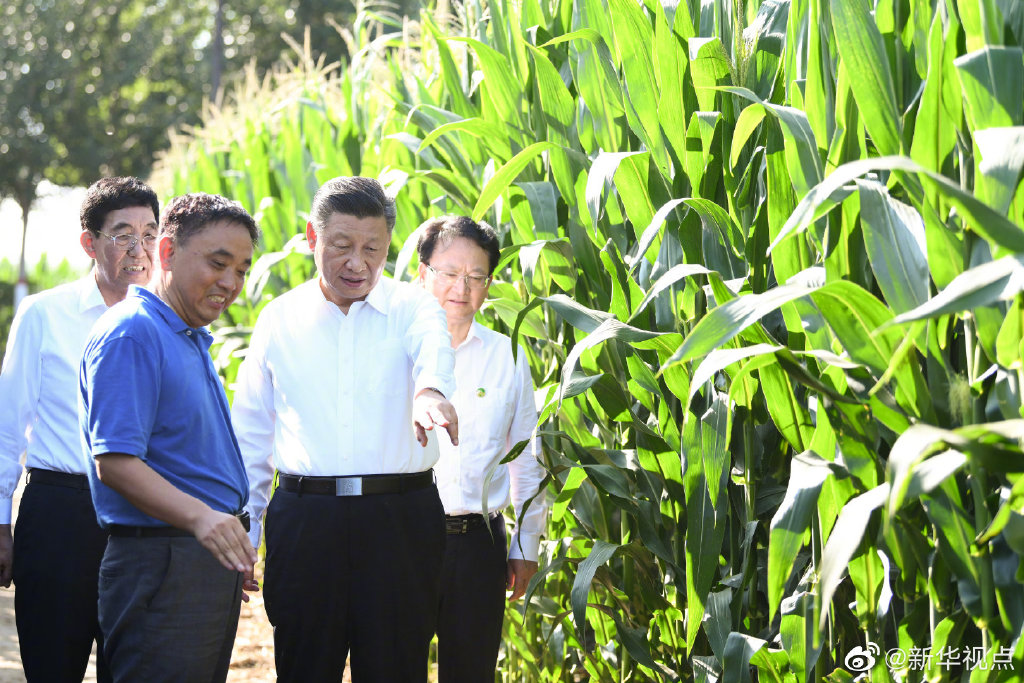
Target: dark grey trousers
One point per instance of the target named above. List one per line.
(168, 610)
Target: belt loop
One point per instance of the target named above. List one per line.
(301, 478)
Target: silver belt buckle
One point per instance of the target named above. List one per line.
(348, 486)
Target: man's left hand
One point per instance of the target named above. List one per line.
(429, 409)
(517, 577)
(249, 585)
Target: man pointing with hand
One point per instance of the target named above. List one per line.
(344, 374)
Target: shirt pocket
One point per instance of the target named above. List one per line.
(387, 370)
(487, 419)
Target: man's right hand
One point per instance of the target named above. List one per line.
(429, 409)
(224, 536)
(142, 486)
(6, 555)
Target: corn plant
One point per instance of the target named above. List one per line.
(767, 261)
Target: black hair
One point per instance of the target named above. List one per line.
(110, 194)
(441, 231)
(190, 214)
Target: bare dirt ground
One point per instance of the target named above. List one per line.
(251, 662)
(253, 658)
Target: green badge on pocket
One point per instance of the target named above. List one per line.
(481, 392)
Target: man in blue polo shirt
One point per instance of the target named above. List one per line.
(169, 481)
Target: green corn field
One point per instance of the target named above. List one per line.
(767, 261)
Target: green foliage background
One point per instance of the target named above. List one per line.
(41, 277)
(767, 262)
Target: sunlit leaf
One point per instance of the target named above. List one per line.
(983, 219)
(992, 78)
(863, 55)
(505, 175)
(792, 520)
(894, 235)
(843, 542)
(983, 285)
(726, 321)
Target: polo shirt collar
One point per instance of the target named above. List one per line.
(172, 319)
(89, 294)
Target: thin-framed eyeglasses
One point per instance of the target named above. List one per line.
(449, 278)
(127, 241)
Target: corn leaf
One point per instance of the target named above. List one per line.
(863, 54)
(894, 235)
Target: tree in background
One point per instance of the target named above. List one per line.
(92, 89)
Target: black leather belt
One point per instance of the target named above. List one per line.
(128, 531)
(51, 478)
(356, 486)
(463, 524)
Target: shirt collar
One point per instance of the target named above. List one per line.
(172, 319)
(474, 335)
(379, 297)
(89, 294)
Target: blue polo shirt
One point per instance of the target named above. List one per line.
(148, 388)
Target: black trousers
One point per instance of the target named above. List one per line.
(472, 605)
(58, 546)
(353, 574)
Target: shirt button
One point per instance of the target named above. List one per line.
(188, 333)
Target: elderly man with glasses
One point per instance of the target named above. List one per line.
(495, 404)
(55, 553)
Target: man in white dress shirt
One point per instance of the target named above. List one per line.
(343, 376)
(494, 399)
(58, 543)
